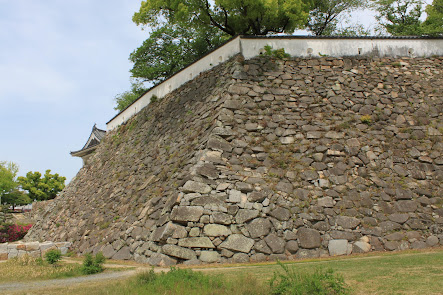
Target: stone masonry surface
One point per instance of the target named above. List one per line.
(33, 249)
(267, 159)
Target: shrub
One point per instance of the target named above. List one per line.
(53, 256)
(320, 282)
(277, 53)
(92, 265)
(13, 232)
(153, 98)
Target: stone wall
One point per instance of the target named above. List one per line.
(32, 249)
(297, 46)
(267, 159)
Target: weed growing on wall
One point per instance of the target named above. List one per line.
(277, 53)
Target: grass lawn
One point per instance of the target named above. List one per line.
(408, 272)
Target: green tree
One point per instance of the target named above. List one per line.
(433, 25)
(169, 49)
(399, 17)
(184, 30)
(8, 182)
(233, 17)
(42, 188)
(328, 14)
(16, 198)
(124, 99)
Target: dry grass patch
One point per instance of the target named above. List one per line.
(28, 268)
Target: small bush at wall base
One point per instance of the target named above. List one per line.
(320, 282)
(53, 256)
(92, 265)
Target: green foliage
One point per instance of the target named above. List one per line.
(16, 198)
(8, 174)
(183, 31)
(326, 15)
(277, 53)
(123, 100)
(399, 17)
(352, 30)
(433, 25)
(92, 265)
(153, 98)
(45, 188)
(366, 119)
(169, 49)
(232, 17)
(159, 282)
(320, 282)
(53, 256)
(5, 218)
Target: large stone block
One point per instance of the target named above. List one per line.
(216, 230)
(219, 144)
(196, 242)
(162, 260)
(169, 230)
(261, 246)
(399, 217)
(123, 254)
(237, 242)
(221, 218)
(179, 252)
(308, 253)
(186, 213)
(308, 238)
(259, 227)
(275, 243)
(108, 251)
(347, 222)
(361, 247)
(209, 256)
(196, 187)
(244, 215)
(280, 213)
(339, 247)
(32, 246)
(406, 206)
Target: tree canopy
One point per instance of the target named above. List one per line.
(327, 14)
(42, 188)
(169, 49)
(433, 25)
(233, 17)
(8, 174)
(126, 98)
(400, 17)
(181, 31)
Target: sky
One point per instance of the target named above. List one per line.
(61, 65)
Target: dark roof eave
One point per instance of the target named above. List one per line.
(84, 152)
